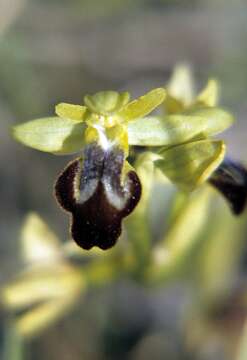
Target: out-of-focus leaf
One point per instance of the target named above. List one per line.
(33, 322)
(191, 164)
(55, 135)
(38, 242)
(39, 284)
(70, 111)
(182, 239)
(106, 102)
(209, 96)
(181, 232)
(178, 128)
(242, 351)
(137, 224)
(144, 168)
(13, 347)
(225, 234)
(143, 105)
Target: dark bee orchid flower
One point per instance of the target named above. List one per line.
(100, 188)
(227, 176)
(230, 179)
(98, 195)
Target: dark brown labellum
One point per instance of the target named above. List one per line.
(231, 180)
(92, 189)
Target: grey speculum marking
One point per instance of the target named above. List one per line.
(91, 188)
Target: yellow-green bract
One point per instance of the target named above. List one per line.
(191, 164)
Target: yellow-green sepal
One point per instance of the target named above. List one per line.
(191, 164)
(209, 96)
(71, 111)
(106, 102)
(53, 134)
(209, 120)
(178, 128)
(143, 105)
(181, 93)
(180, 90)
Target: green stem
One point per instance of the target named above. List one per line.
(13, 343)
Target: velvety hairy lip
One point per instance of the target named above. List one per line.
(91, 189)
(230, 179)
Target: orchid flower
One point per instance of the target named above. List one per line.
(100, 187)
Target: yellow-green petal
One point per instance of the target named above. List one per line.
(191, 164)
(106, 102)
(178, 128)
(70, 111)
(143, 105)
(53, 135)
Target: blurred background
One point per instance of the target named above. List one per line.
(57, 50)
